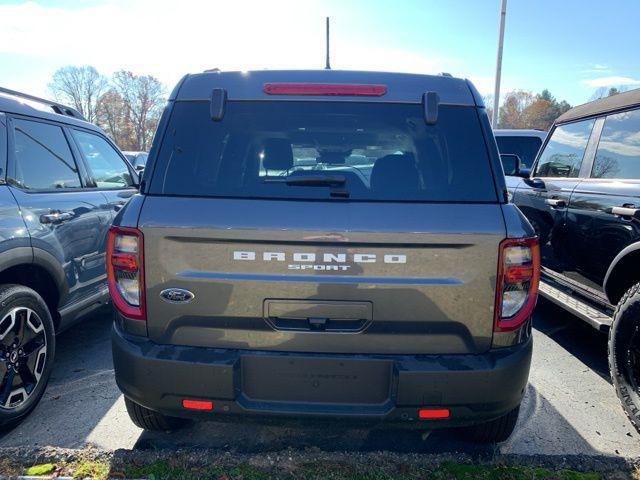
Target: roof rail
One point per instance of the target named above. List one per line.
(55, 106)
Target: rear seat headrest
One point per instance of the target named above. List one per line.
(278, 154)
(395, 175)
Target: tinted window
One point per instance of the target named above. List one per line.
(276, 149)
(107, 168)
(562, 156)
(618, 154)
(43, 157)
(525, 147)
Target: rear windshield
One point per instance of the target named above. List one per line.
(324, 150)
(525, 147)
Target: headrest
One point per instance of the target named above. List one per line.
(278, 154)
(395, 175)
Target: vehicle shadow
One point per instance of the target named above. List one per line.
(81, 390)
(541, 430)
(574, 335)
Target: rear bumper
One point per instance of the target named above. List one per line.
(370, 388)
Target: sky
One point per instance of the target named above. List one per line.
(571, 47)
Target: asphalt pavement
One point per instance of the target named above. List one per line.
(570, 407)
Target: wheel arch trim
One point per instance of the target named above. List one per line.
(624, 254)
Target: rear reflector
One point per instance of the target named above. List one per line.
(433, 413)
(197, 404)
(356, 89)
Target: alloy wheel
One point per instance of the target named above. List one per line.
(23, 355)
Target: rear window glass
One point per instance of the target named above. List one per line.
(525, 147)
(324, 150)
(618, 154)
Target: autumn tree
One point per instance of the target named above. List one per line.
(111, 115)
(522, 109)
(81, 87)
(512, 109)
(143, 98)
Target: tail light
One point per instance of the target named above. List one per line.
(517, 283)
(125, 271)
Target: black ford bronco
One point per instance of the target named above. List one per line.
(324, 244)
(583, 199)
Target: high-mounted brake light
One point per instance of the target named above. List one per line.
(347, 89)
(517, 282)
(125, 271)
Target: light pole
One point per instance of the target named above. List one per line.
(327, 64)
(496, 92)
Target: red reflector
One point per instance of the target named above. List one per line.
(433, 413)
(518, 273)
(357, 89)
(124, 261)
(197, 404)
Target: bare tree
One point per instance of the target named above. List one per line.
(81, 87)
(143, 96)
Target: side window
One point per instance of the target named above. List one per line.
(618, 154)
(562, 156)
(107, 167)
(43, 157)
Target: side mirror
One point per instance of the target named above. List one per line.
(524, 172)
(510, 163)
(139, 168)
(535, 182)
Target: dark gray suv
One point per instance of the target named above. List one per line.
(61, 183)
(324, 244)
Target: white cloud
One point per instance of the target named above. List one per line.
(610, 81)
(167, 41)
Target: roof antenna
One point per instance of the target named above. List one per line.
(327, 65)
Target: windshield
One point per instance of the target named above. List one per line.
(375, 151)
(525, 147)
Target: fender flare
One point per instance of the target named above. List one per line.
(624, 253)
(35, 256)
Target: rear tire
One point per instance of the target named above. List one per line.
(150, 420)
(624, 353)
(495, 431)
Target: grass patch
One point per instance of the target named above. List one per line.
(191, 465)
(42, 469)
(90, 469)
(461, 471)
(161, 470)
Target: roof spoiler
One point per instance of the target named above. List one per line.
(218, 103)
(430, 103)
(55, 106)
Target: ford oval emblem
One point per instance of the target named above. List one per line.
(176, 295)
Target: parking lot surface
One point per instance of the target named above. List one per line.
(570, 407)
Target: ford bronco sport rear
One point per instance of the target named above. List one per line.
(324, 244)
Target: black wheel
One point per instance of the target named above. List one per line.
(495, 431)
(150, 420)
(624, 353)
(27, 349)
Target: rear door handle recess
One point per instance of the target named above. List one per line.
(556, 202)
(56, 216)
